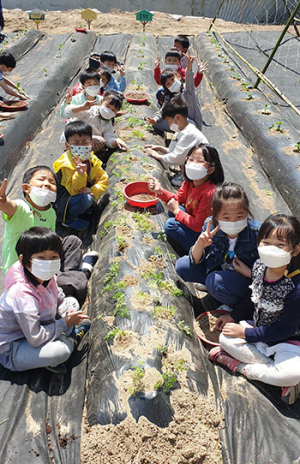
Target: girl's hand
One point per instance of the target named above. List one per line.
(222, 320)
(68, 96)
(203, 66)
(81, 167)
(151, 121)
(121, 70)
(157, 62)
(121, 144)
(190, 59)
(173, 206)
(241, 268)
(74, 317)
(88, 104)
(154, 147)
(87, 190)
(206, 237)
(234, 330)
(154, 186)
(154, 154)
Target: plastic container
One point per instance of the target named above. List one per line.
(137, 100)
(136, 188)
(94, 61)
(208, 343)
(13, 105)
(80, 30)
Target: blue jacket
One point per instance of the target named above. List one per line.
(115, 85)
(245, 248)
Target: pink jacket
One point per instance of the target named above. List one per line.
(27, 311)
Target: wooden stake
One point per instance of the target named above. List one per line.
(215, 17)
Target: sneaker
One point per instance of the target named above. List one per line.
(88, 262)
(61, 369)
(77, 224)
(217, 355)
(80, 331)
(177, 180)
(290, 394)
(224, 307)
(201, 287)
(69, 304)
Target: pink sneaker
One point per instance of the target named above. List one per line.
(218, 355)
(290, 394)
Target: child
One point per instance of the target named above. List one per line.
(203, 171)
(81, 180)
(182, 43)
(7, 64)
(39, 189)
(187, 136)
(172, 61)
(228, 239)
(109, 62)
(100, 118)
(268, 349)
(174, 87)
(32, 334)
(89, 93)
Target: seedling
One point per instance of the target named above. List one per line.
(121, 243)
(164, 312)
(162, 350)
(113, 272)
(141, 65)
(236, 76)
(138, 373)
(277, 127)
(269, 192)
(162, 236)
(73, 38)
(58, 53)
(265, 110)
(250, 96)
(297, 147)
(45, 71)
(121, 307)
(19, 89)
(246, 85)
(169, 378)
(184, 328)
(138, 85)
(158, 251)
(143, 222)
(114, 332)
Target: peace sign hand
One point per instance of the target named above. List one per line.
(2, 192)
(81, 167)
(206, 237)
(190, 59)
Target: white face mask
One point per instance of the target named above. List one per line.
(110, 69)
(5, 73)
(171, 66)
(195, 171)
(106, 113)
(273, 257)
(83, 151)
(175, 87)
(233, 227)
(44, 269)
(92, 90)
(174, 127)
(42, 196)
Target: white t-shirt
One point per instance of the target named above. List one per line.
(181, 144)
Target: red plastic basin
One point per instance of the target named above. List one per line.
(136, 188)
(8, 105)
(202, 338)
(136, 100)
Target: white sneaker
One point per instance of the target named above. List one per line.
(89, 260)
(290, 394)
(177, 180)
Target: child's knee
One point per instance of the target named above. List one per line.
(182, 267)
(170, 225)
(62, 351)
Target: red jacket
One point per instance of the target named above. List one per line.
(196, 200)
(181, 71)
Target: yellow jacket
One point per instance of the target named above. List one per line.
(74, 182)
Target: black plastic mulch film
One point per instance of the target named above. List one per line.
(41, 413)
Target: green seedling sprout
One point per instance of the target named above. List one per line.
(250, 96)
(277, 127)
(169, 378)
(184, 328)
(297, 147)
(45, 71)
(73, 38)
(112, 333)
(138, 373)
(162, 350)
(162, 236)
(121, 307)
(265, 110)
(19, 89)
(58, 54)
(164, 312)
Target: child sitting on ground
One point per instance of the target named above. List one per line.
(32, 333)
(187, 136)
(172, 61)
(7, 64)
(81, 180)
(203, 171)
(228, 239)
(39, 189)
(182, 43)
(100, 118)
(173, 86)
(268, 348)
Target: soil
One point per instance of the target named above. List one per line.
(207, 327)
(143, 197)
(136, 96)
(291, 151)
(114, 22)
(14, 104)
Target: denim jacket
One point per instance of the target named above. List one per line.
(245, 248)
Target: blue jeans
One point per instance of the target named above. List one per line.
(182, 234)
(78, 204)
(229, 287)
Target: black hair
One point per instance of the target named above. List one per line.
(8, 60)
(173, 52)
(28, 175)
(105, 73)
(78, 128)
(177, 105)
(36, 240)
(229, 191)
(165, 75)
(89, 73)
(183, 39)
(114, 98)
(210, 155)
(108, 56)
(287, 228)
